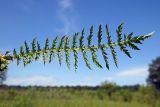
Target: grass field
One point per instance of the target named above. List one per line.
(71, 97)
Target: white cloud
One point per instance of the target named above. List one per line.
(121, 78)
(67, 16)
(139, 71)
(67, 23)
(65, 3)
(33, 80)
(110, 79)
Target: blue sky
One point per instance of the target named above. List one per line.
(22, 20)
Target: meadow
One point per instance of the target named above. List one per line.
(100, 96)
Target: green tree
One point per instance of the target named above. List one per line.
(3, 76)
(149, 94)
(109, 88)
(154, 73)
(126, 95)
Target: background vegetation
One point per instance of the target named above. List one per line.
(106, 95)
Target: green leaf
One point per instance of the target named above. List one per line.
(99, 36)
(28, 54)
(25, 60)
(38, 47)
(133, 46)
(44, 55)
(16, 56)
(66, 47)
(119, 41)
(54, 42)
(75, 54)
(94, 58)
(119, 33)
(138, 39)
(84, 53)
(81, 40)
(34, 45)
(129, 37)
(46, 44)
(114, 55)
(27, 47)
(89, 38)
(143, 37)
(123, 49)
(33, 50)
(38, 51)
(81, 45)
(21, 50)
(125, 40)
(45, 51)
(15, 53)
(59, 50)
(105, 56)
(51, 56)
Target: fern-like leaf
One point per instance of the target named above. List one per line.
(38, 51)
(74, 51)
(89, 38)
(93, 52)
(133, 46)
(114, 55)
(59, 50)
(81, 45)
(125, 40)
(66, 47)
(27, 47)
(119, 41)
(34, 45)
(25, 61)
(143, 37)
(27, 55)
(46, 47)
(94, 58)
(99, 35)
(51, 56)
(16, 56)
(129, 37)
(104, 54)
